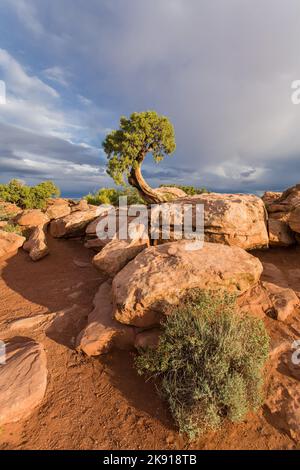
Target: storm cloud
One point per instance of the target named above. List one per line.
(222, 72)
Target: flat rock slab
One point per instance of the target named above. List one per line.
(10, 242)
(23, 379)
(159, 276)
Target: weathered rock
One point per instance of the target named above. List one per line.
(3, 223)
(283, 403)
(72, 225)
(159, 276)
(280, 234)
(269, 299)
(56, 211)
(10, 209)
(82, 205)
(294, 220)
(171, 191)
(28, 323)
(23, 379)
(103, 332)
(10, 242)
(117, 253)
(284, 301)
(31, 218)
(36, 245)
(233, 219)
(269, 197)
(287, 201)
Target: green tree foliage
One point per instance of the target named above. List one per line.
(126, 148)
(209, 362)
(111, 196)
(28, 197)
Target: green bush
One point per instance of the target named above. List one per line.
(28, 197)
(189, 190)
(209, 362)
(111, 196)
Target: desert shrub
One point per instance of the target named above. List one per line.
(111, 196)
(209, 362)
(28, 197)
(189, 190)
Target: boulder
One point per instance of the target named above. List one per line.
(171, 191)
(102, 331)
(10, 243)
(284, 301)
(31, 218)
(36, 244)
(287, 202)
(159, 276)
(72, 225)
(9, 209)
(117, 253)
(269, 197)
(280, 233)
(23, 379)
(233, 219)
(294, 220)
(56, 211)
(80, 206)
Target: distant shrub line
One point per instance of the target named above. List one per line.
(28, 197)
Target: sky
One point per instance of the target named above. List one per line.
(220, 70)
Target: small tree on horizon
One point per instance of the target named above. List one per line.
(126, 148)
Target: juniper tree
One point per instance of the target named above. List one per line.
(126, 148)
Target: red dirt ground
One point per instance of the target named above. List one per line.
(102, 403)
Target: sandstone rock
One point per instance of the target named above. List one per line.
(233, 219)
(103, 332)
(294, 219)
(273, 274)
(31, 218)
(23, 379)
(280, 234)
(9, 209)
(3, 223)
(80, 206)
(28, 323)
(171, 191)
(10, 242)
(36, 244)
(117, 253)
(283, 403)
(56, 211)
(284, 300)
(287, 201)
(72, 225)
(159, 276)
(269, 197)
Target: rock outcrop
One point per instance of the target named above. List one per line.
(23, 379)
(56, 211)
(280, 233)
(72, 225)
(31, 218)
(159, 276)
(102, 331)
(117, 253)
(232, 219)
(10, 243)
(36, 245)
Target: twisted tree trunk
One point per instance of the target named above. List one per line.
(137, 181)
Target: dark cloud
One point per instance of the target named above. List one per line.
(222, 72)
